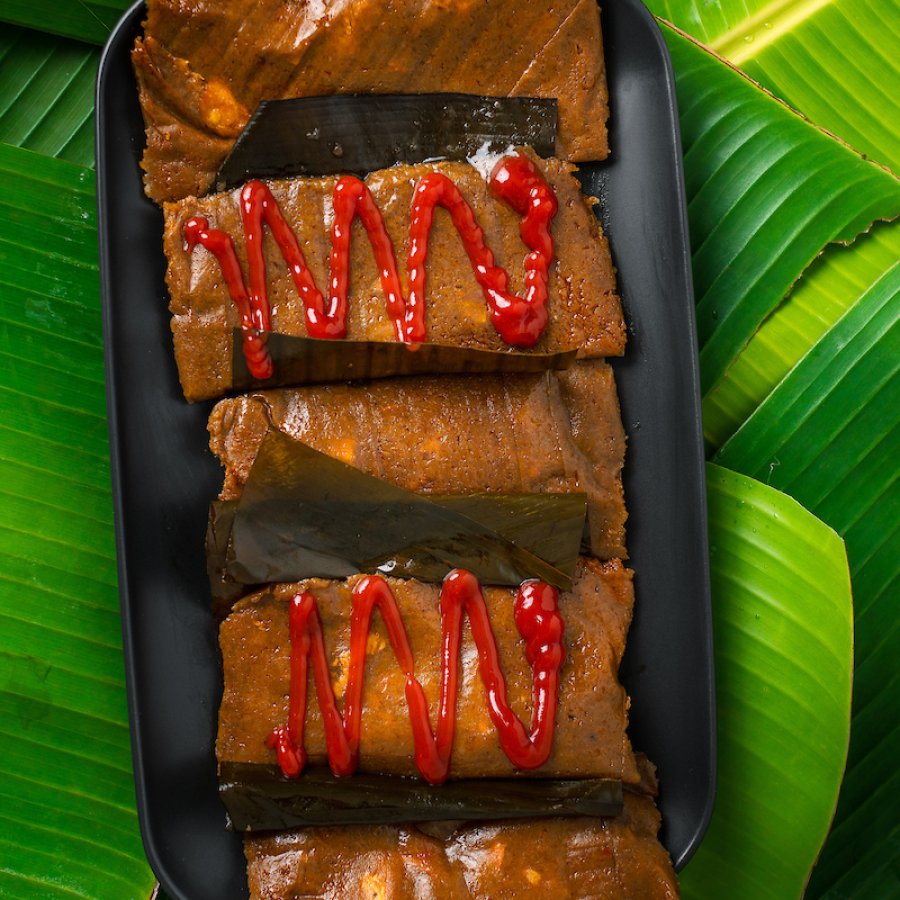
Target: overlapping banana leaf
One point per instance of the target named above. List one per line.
(784, 643)
(85, 20)
(829, 435)
(836, 61)
(766, 192)
(831, 285)
(46, 102)
(67, 824)
(852, 482)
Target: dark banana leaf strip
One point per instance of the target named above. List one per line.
(304, 514)
(543, 524)
(225, 590)
(303, 360)
(531, 521)
(360, 133)
(260, 798)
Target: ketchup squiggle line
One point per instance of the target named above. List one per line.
(520, 321)
(537, 618)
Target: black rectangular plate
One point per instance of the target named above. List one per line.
(164, 476)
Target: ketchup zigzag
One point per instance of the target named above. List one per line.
(518, 320)
(537, 618)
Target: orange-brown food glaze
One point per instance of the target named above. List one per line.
(518, 320)
(203, 66)
(584, 311)
(556, 432)
(589, 738)
(550, 859)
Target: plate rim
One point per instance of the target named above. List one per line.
(124, 31)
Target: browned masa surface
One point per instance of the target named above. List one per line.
(554, 432)
(589, 739)
(556, 859)
(585, 311)
(204, 65)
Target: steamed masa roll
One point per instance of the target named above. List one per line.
(563, 859)
(203, 67)
(555, 432)
(589, 739)
(584, 309)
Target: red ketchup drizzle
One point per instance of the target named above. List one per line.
(254, 315)
(537, 618)
(518, 320)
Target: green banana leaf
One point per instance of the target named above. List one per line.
(783, 626)
(837, 62)
(861, 857)
(54, 77)
(57, 554)
(826, 290)
(85, 20)
(766, 192)
(829, 435)
(68, 825)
